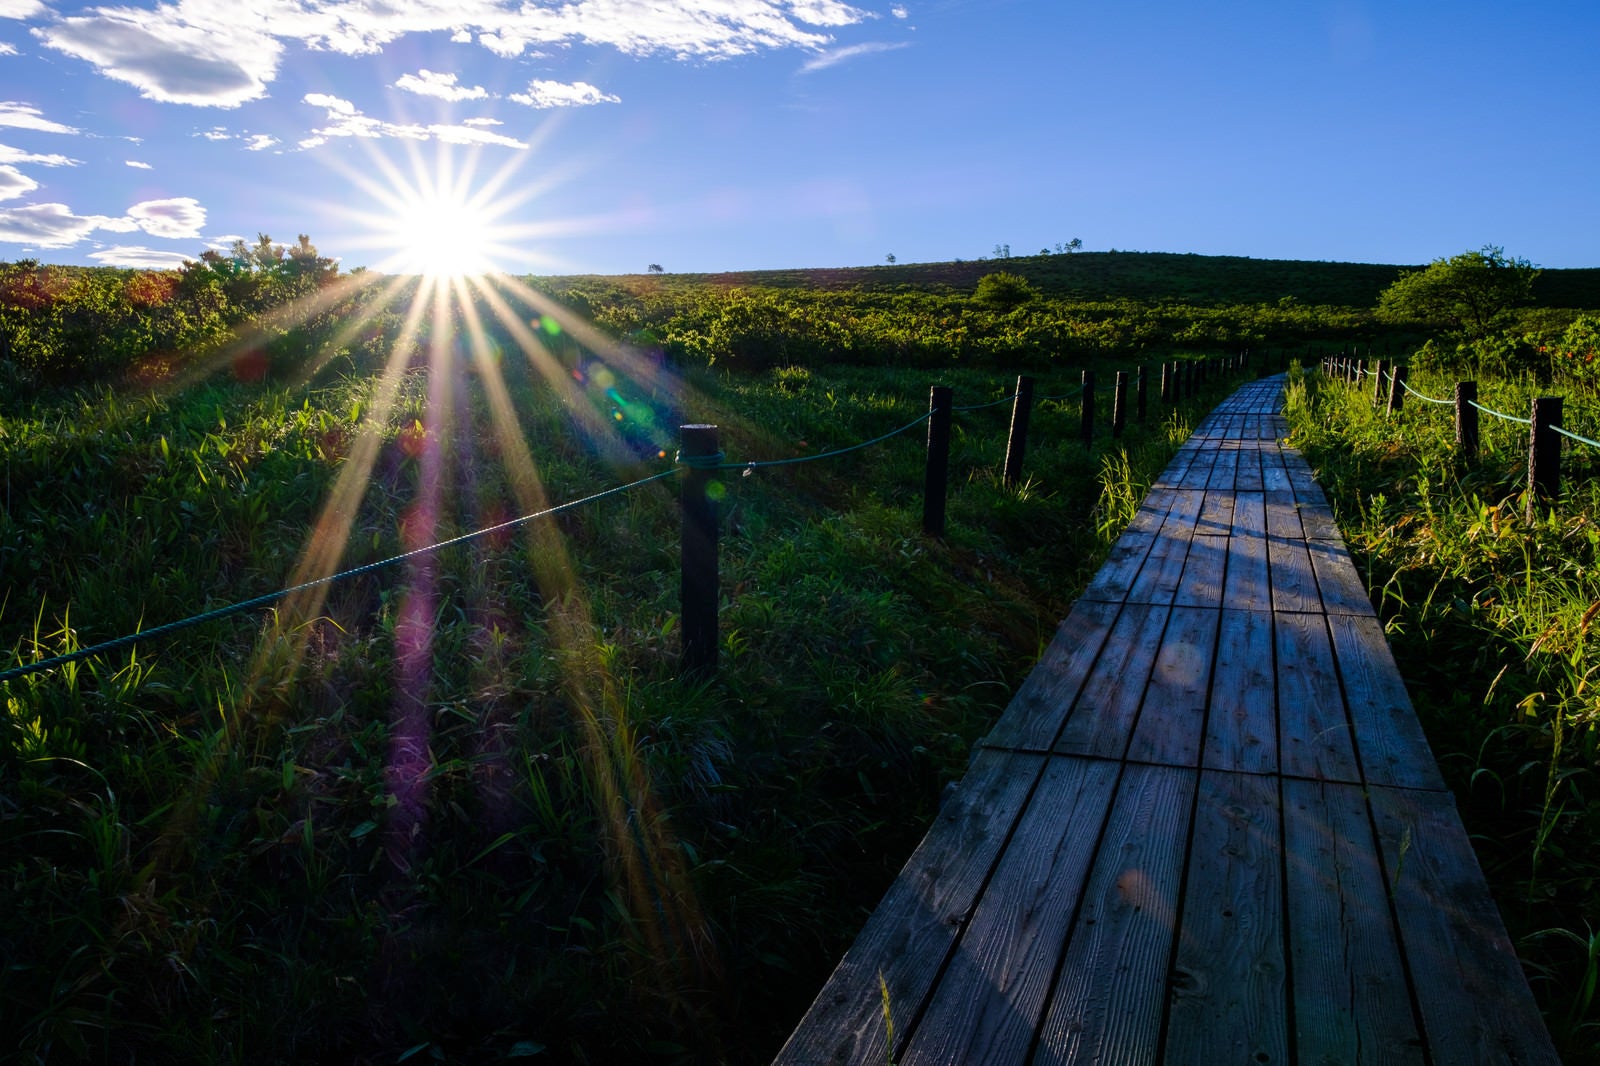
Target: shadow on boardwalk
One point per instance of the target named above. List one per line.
(1208, 828)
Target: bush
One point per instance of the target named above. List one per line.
(1004, 290)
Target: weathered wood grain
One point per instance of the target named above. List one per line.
(1341, 588)
(1034, 716)
(988, 1004)
(1123, 563)
(1313, 729)
(909, 935)
(1249, 477)
(1241, 729)
(1103, 717)
(1158, 580)
(1393, 749)
(1224, 470)
(1111, 992)
(1351, 1003)
(1183, 516)
(1248, 586)
(1474, 999)
(1228, 992)
(1203, 573)
(1199, 471)
(1152, 512)
(1283, 516)
(1274, 475)
(1216, 514)
(1294, 583)
(1172, 722)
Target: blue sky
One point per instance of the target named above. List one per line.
(566, 136)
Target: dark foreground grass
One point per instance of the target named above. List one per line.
(463, 808)
(1490, 617)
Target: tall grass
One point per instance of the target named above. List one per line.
(1490, 616)
(464, 807)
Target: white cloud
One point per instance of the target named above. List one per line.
(9, 154)
(482, 122)
(27, 117)
(461, 37)
(839, 55)
(14, 183)
(260, 142)
(346, 120)
(899, 11)
(122, 255)
(49, 225)
(216, 133)
(310, 142)
(201, 52)
(20, 9)
(176, 219)
(135, 164)
(7, 49)
(561, 94)
(432, 83)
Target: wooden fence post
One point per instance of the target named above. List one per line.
(1397, 390)
(1544, 454)
(1119, 404)
(697, 592)
(1166, 382)
(1467, 420)
(1017, 440)
(937, 477)
(1139, 394)
(1086, 409)
(1377, 382)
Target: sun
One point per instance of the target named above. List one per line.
(442, 235)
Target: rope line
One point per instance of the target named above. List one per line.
(981, 406)
(272, 597)
(1574, 436)
(1064, 396)
(1407, 386)
(1500, 414)
(751, 466)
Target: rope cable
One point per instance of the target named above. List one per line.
(753, 465)
(1407, 386)
(1501, 414)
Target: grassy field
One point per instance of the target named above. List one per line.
(1489, 615)
(463, 807)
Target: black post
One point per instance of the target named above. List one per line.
(698, 588)
(1467, 420)
(1119, 404)
(1086, 409)
(1017, 441)
(937, 476)
(1166, 383)
(1139, 394)
(1544, 454)
(1397, 390)
(1377, 382)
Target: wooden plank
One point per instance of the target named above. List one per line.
(1317, 521)
(1203, 573)
(1103, 718)
(1228, 992)
(989, 1002)
(1163, 570)
(1341, 588)
(1313, 731)
(1473, 997)
(1184, 514)
(1274, 475)
(1294, 584)
(1248, 585)
(1123, 563)
(1393, 749)
(1199, 471)
(1249, 478)
(1216, 513)
(1242, 728)
(1224, 470)
(1034, 716)
(1172, 476)
(1171, 725)
(1351, 1003)
(1283, 518)
(910, 934)
(1152, 511)
(1112, 988)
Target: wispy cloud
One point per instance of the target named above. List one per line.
(7, 49)
(135, 164)
(136, 257)
(260, 142)
(346, 120)
(52, 225)
(27, 117)
(9, 154)
(563, 94)
(20, 9)
(443, 86)
(835, 56)
(14, 183)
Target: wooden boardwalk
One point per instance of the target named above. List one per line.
(1208, 828)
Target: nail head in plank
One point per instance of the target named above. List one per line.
(1228, 992)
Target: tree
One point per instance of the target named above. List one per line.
(889, 259)
(1069, 247)
(656, 268)
(1002, 251)
(1004, 290)
(1470, 292)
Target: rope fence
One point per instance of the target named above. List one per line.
(1544, 422)
(698, 458)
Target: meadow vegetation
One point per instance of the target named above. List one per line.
(463, 807)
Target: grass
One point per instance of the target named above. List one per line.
(1490, 616)
(463, 807)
